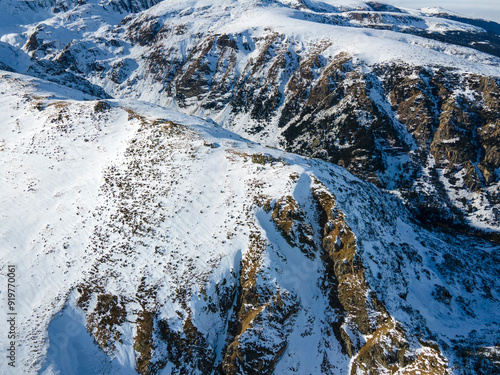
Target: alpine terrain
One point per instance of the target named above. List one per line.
(248, 187)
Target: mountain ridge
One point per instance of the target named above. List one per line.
(152, 241)
(131, 271)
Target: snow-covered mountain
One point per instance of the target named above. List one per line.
(150, 241)
(147, 240)
(402, 98)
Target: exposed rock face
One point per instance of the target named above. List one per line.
(448, 114)
(361, 313)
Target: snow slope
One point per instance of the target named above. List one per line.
(143, 238)
(262, 68)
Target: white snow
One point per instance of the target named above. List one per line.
(52, 194)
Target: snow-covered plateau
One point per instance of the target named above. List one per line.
(248, 187)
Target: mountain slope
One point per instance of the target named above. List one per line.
(149, 241)
(405, 99)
